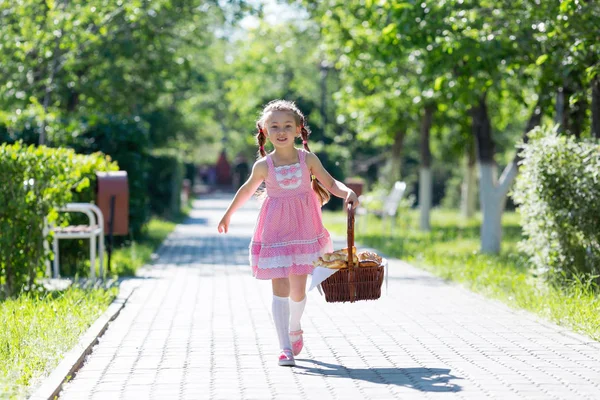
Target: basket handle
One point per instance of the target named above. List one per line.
(351, 269)
(350, 234)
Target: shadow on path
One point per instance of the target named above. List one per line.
(422, 379)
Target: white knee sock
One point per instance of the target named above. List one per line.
(281, 317)
(296, 310)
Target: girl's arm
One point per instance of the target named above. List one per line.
(334, 186)
(258, 175)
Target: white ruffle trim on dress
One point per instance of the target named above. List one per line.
(285, 260)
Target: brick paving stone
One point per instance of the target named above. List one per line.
(199, 327)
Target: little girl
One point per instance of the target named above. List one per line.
(289, 233)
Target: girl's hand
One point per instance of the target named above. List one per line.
(224, 224)
(351, 197)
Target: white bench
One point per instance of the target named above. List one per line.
(94, 231)
(390, 204)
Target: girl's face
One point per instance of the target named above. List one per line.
(281, 128)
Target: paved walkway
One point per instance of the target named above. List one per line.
(199, 327)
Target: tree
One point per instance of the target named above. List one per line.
(463, 51)
(67, 59)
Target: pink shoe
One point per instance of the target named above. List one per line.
(297, 344)
(286, 359)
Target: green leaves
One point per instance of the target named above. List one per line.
(402, 6)
(558, 191)
(81, 58)
(541, 59)
(389, 30)
(438, 83)
(35, 181)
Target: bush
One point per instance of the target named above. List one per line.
(558, 190)
(164, 189)
(35, 181)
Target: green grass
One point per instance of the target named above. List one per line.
(38, 329)
(126, 260)
(451, 251)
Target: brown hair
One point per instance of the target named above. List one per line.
(261, 138)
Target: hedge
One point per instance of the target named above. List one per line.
(35, 182)
(558, 190)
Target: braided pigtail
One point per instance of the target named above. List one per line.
(317, 186)
(261, 140)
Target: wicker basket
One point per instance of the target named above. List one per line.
(353, 283)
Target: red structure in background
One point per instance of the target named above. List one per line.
(356, 185)
(223, 170)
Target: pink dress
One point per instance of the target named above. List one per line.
(289, 234)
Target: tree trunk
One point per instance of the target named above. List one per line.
(425, 180)
(491, 227)
(577, 117)
(559, 116)
(73, 101)
(492, 205)
(482, 131)
(468, 187)
(596, 107)
(565, 114)
(396, 159)
(491, 195)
